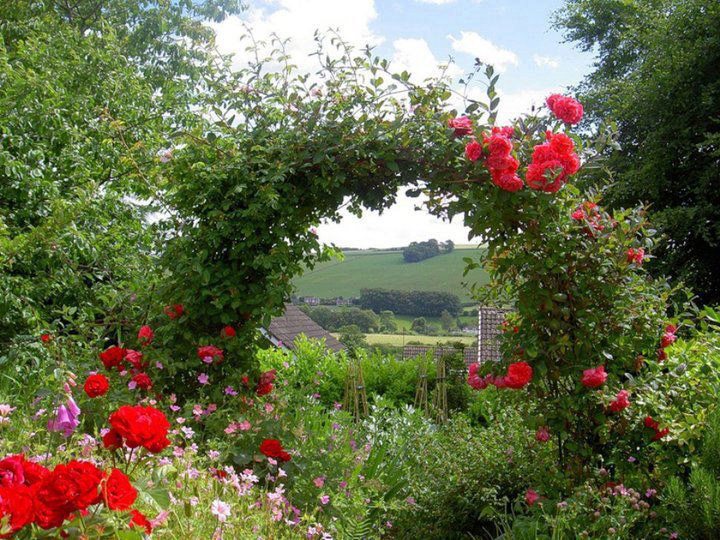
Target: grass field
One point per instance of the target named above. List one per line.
(387, 270)
(398, 340)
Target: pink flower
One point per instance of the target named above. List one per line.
(565, 108)
(146, 335)
(220, 509)
(230, 391)
(66, 418)
(542, 434)
(203, 378)
(594, 377)
(319, 481)
(621, 401)
(324, 499)
(635, 256)
(462, 125)
(473, 150)
(531, 497)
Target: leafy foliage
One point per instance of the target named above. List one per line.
(664, 96)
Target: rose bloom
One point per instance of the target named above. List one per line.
(542, 434)
(594, 377)
(518, 375)
(273, 449)
(462, 125)
(117, 491)
(45, 338)
(228, 332)
(112, 357)
(635, 256)
(208, 353)
(96, 385)
(175, 311)
(621, 401)
(531, 497)
(146, 335)
(143, 381)
(473, 150)
(140, 426)
(565, 108)
(16, 505)
(138, 519)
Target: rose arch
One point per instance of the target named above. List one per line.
(244, 188)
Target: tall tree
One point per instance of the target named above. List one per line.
(657, 75)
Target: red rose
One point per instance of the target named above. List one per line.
(542, 434)
(112, 357)
(146, 335)
(12, 471)
(661, 355)
(273, 449)
(117, 491)
(96, 385)
(660, 433)
(45, 338)
(138, 519)
(264, 385)
(175, 311)
(565, 108)
(47, 517)
(518, 375)
(650, 423)
(112, 440)
(547, 176)
(473, 150)
(209, 353)
(667, 339)
(87, 477)
(135, 359)
(141, 426)
(508, 181)
(228, 332)
(462, 125)
(594, 377)
(142, 381)
(17, 503)
(621, 401)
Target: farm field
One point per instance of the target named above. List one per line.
(398, 340)
(386, 269)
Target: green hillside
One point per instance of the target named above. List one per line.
(387, 270)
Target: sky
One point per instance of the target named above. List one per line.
(418, 35)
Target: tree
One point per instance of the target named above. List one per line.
(387, 321)
(665, 98)
(449, 246)
(446, 320)
(419, 251)
(419, 325)
(352, 337)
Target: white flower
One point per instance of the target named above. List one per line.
(220, 510)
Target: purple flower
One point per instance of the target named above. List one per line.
(230, 391)
(66, 418)
(324, 499)
(203, 378)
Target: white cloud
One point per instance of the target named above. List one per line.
(437, 2)
(546, 61)
(298, 20)
(513, 104)
(395, 227)
(474, 44)
(415, 56)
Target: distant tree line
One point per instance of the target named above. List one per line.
(415, 303)
(333, 320)
(419, 251)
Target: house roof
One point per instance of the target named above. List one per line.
(294, 322)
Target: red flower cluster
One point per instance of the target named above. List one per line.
(552, 163)
(594, 377)
(635, 256)
(499, 160)
(668, 338)
(264, 385)
(567, 109)
(655, 426)
(96, 385)
(273, 449)
(175, 311)
(30, 493)
(621, 401)
(462, 125)
(518, 375)
(138, 426)
(209, 353)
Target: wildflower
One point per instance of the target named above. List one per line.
(324, 499)
(220, 509)
(319, 481)
(66, 418)
(230, 391)
(203, 378)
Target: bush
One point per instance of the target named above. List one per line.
(415, 303)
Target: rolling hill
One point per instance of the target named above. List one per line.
(363, 269)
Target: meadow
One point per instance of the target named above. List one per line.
(361, 269)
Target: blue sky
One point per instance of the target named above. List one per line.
(417, 35)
